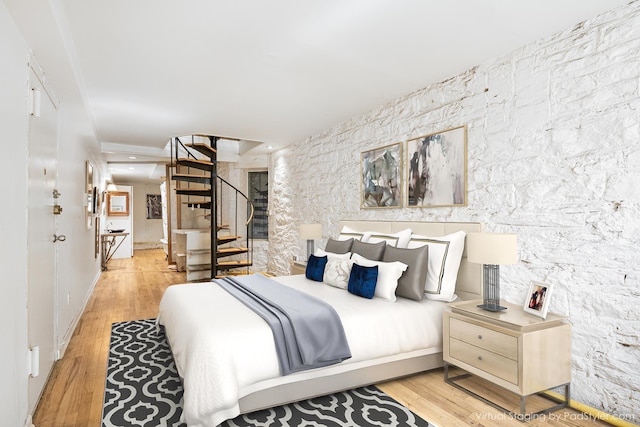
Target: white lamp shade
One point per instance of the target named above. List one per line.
(310, 231)
(492, 248)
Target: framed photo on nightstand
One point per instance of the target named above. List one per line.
(538, 298)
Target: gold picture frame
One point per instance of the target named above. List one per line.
(437, 169)
(381, 177)
(88, 194)
(118, 203)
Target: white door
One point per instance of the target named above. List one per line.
(42, 166)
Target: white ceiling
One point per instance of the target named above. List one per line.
(274, 71)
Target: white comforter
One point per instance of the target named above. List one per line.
(223, 351)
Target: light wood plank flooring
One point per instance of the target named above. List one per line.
(131, 289)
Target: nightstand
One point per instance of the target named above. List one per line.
(515, 350)
(298, 267)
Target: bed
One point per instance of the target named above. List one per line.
(225, 354)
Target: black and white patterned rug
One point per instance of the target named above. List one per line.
(143, 389)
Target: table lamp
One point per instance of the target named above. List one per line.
(492, 250)
(310, 232)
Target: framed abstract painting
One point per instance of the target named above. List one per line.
(437, 169)
(381, 179)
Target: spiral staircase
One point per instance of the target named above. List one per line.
(230, 212)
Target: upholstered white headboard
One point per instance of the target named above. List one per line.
(469, 284)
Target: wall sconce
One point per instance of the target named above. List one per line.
(310, 232)
(492, 250)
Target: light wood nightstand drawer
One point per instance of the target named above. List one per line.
(501, 367)
(493, 341)
(512, 349)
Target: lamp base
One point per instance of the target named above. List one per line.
(310, 248)
(491, 288)
(491, 307)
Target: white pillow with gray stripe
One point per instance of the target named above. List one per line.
(445, 254)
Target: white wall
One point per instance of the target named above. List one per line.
(13, 223)
(146, 232)
(553, 155)
(78, 269)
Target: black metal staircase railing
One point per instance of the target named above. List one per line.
(209, 190)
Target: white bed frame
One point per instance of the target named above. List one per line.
(469, 286)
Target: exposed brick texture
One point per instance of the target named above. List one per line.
(553, 155)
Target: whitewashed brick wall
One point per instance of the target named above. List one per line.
(553, 155)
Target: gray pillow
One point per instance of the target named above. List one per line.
(339, 246)
(372, 251)
(411, 283)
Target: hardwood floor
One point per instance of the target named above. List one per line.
(132, 288)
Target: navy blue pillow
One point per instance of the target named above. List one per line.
(315, 268)
(362, 280)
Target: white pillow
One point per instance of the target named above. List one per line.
(348, 233)
(337, 272)
(445, 254)
(388, 275)
(331, 255)
(399, 239)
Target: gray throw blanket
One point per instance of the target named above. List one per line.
(307, 331)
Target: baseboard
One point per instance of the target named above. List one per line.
(62, 345)
(147, 245)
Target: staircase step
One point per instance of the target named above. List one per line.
(204, 165)
(193, 192)
(224, 265)
(227, 239)
(222, 252)
(205, 149)
(191, 178)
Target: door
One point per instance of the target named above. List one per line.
(42, 167)
(125, 223)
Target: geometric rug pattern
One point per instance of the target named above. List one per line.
(365, 406)
(143, 389)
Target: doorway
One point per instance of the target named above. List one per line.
(42, 227)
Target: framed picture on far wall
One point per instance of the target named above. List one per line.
(154, 206)
(538, 297)
(437, 169)
(380, 177)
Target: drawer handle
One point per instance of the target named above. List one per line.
(479, 337)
